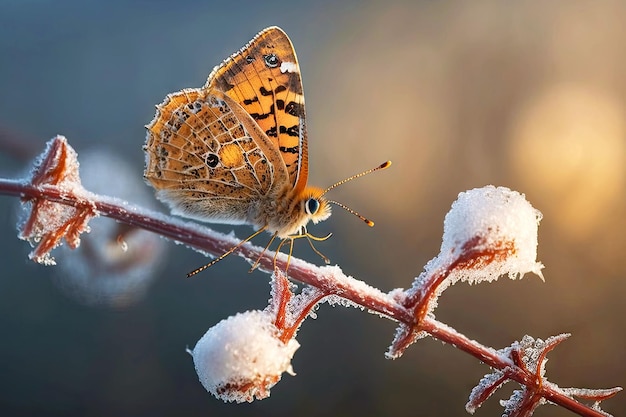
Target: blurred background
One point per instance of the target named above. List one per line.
(529, 95)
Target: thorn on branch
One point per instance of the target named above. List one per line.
(48, 222)
(529, 357)
(595, 396)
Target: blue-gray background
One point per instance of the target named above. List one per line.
(529, 95)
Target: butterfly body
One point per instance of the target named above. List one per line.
(235, 151)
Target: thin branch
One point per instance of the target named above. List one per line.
(329, 279)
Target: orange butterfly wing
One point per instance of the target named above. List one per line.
(264, 78)
(207, 157)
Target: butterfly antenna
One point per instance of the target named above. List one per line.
(370, 223)
(369, 171)
(225, 254)
(349, 210)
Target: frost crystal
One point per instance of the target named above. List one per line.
(514, 402)
(485, 388)
(242, 357)
(534, 351)
(528, 355)
(47, 222)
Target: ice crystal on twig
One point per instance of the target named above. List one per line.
(528, 357)
(490, 232)
(596, 396)
(48, 221)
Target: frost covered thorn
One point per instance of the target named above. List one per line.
(528, 357)
(55, 172)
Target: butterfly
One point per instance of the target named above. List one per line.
(235, 151)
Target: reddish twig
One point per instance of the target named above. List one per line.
(329, 279)
(55, 182)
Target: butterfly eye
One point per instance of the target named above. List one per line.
(271, 60)
(311, 206)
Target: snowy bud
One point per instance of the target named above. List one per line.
(499, 226)
(242, 357)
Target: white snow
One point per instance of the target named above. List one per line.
(487, 219)
(488, 232)
(241, 357)
(512, 404)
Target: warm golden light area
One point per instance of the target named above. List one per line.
(568, 145)
(528, 96)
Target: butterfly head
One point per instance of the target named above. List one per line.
(314, 205)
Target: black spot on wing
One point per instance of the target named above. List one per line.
(291, 131)
(261, 116)
(212, 160)
(249, 101)
(271, 60)
(265, 92)
(292, 149)
(295, 83)
(271, 132)
(295, 109)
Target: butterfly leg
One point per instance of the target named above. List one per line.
(280, 245)
(225, 254)
(321, 255)
(310, 238)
